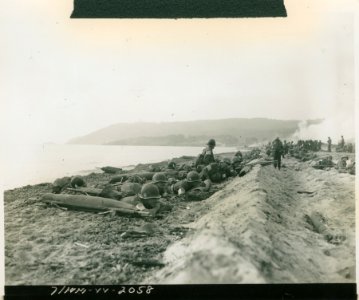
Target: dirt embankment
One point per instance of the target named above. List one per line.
(257, 228)
(288, 226)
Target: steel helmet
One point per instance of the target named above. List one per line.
(159, 177)
(77, 181)
(238, 153)
(171, 165)
(227, 160)
(211, 142)
(149, 191)
(193, 176)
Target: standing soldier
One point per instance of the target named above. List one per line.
(342, 143)
(207, 157)
(329, 144)
(277, 152)
(285, 148)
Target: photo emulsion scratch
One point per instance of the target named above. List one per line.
(193, 151)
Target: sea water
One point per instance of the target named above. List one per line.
(32, 164)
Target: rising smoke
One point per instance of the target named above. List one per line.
(334, 127)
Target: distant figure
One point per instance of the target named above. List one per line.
(329, 144)
(207, 157)
(285, 148)
(342, 143)
(277, 151)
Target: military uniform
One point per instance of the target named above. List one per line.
(277, 152)
(329, 144)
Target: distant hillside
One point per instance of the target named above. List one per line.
(178, 140)
(226, 131)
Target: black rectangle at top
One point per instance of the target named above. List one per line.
(173, 9)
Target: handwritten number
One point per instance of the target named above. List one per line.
(54, 291)
(140, 290)
(122, 291)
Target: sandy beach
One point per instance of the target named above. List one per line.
(254, 229)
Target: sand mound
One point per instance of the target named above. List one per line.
(260, 229)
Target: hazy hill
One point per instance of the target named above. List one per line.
(227, 131)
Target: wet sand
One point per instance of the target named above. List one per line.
(254, 229)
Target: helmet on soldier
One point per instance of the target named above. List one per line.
(159, 177)
(211, 142)
(149, 191)
(193, 176)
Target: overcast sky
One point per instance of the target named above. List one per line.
(61, 78)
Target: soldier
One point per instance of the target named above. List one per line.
(285, 148)
(150, 198)
(216, 172)
(77, 181)
(277, 151)
(171, 165)
(192, 187)
(329, 144)
(207, 156)
(192, 180)
(61, 184)
(342, 143)
(160, 180)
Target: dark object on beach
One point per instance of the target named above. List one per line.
(119, 178)
(122, 178)
(351, 169)
(147, 263)
(154, 168)
(130, 189)
(318, 223)
(106, 192)
(171, 165)
(60, 184)
(136, 179)
(197, 194)
(111, 170)
(324, 163)
(93, 204)
(305, 192)
(245, 170)
(77, 181)
(110, 192)
(186, 157)
(86, 191)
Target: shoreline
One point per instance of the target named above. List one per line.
(97, 170)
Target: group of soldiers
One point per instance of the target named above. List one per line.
(189, 181)
(156, 188)
(310, 145)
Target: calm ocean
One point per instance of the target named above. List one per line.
(24, 164)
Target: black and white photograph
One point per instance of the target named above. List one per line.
(178, 151)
